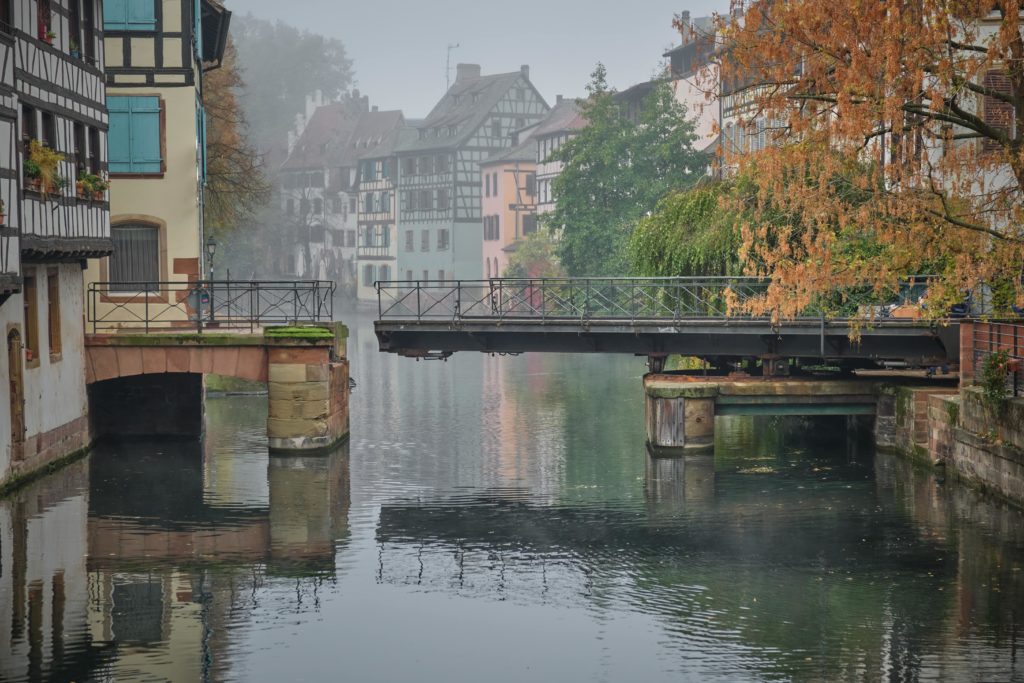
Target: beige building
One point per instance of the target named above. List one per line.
(156, 53)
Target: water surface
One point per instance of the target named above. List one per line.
(499, 519)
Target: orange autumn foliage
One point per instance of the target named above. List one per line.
(893, 148)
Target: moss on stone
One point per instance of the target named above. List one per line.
(184, 339)
(682, 390)
(299, 333)
(23, 479)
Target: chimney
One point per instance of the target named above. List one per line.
(466, 72)
(684, 25)
(525, 70)
(365, 103)
(375, 109)
(558, 100)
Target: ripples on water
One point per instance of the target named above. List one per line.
(499, 519)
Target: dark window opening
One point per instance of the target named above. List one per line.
(94, 151)
(49, 130)
(79, 151)
(135, 262)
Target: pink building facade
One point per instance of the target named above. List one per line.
(509, 204)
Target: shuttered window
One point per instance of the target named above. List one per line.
(135, 263)
(133, 140)
(129, 15)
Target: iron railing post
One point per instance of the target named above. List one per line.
(419, 307)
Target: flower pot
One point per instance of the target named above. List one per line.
(34, 184)
(98, 195)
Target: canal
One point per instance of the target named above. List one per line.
(499, 519)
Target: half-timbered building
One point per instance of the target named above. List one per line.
(560, 126)
(377, 253)
(156, 52)
(439, 181)
(53, 127)
(320, 185)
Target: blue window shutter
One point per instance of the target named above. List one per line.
(119, 149)
(145, 135)
(198, 28)
(115, 15)
(141, 15)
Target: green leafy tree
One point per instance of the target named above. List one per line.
(616, 170)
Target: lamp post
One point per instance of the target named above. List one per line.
(211, 249)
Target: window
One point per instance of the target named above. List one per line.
(487, 185)
(89, 30)
(425, 240)
(410, 242)
(409, 166)
(44, 18)
(408, 276)
(290, 207)
(75, 24)
(440, 275)
(384, 274)
(426, 275)
(336, 205)
(135, 134)
(318, 206)
(491, 228)
(350, 238)
(443, 165)
(496, 128)
(368, 202)
(426, 200)
(529, 224)
(442, 200)
(29, 131)
(129, 15)
(367, 275)
(94, 150)
(426, 165)
(352, 204)
(442, 239)
(53, 311)
(304, 207)
(385, 202)
(78, 141)
(135, 262)
(6, 16)
(31, 320)
(531, 185)
(49, 130)
(520, 123)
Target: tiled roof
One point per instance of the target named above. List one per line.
(527, 151)
(565, 117)
(460, 112)
(339, 134)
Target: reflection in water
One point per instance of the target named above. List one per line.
(500, 518)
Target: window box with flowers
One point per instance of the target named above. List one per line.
(41, 170)
(90, 186)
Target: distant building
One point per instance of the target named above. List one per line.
(52, 102)
(319, 185)
(694, 74)
(509, 188)
(561, 125)
(439, 181)
(377, 251)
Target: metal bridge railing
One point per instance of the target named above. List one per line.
(624, 299)
(235, 304)
(989, 338)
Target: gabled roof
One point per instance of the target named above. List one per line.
(340, 134)
(461, 111)
(524, 152)
(564, 118)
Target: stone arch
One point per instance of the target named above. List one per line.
(109, 361)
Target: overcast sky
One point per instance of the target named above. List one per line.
(399, 46)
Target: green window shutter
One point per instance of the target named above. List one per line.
(119, 148)
(129, 15)
(198, 29)
(134, 137)
(146, 135)
(115, 15)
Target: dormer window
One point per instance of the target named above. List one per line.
(476, 97)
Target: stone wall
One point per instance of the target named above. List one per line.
(902, 420)
(988, 445)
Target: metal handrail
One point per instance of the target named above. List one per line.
(991, 337)
(160, 305)
(614, 299)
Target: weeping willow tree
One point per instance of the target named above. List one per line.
(689, 233)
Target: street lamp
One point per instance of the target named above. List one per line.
(211, 249)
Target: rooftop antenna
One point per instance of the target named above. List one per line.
(448, 67)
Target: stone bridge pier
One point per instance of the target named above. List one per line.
(152, 384)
